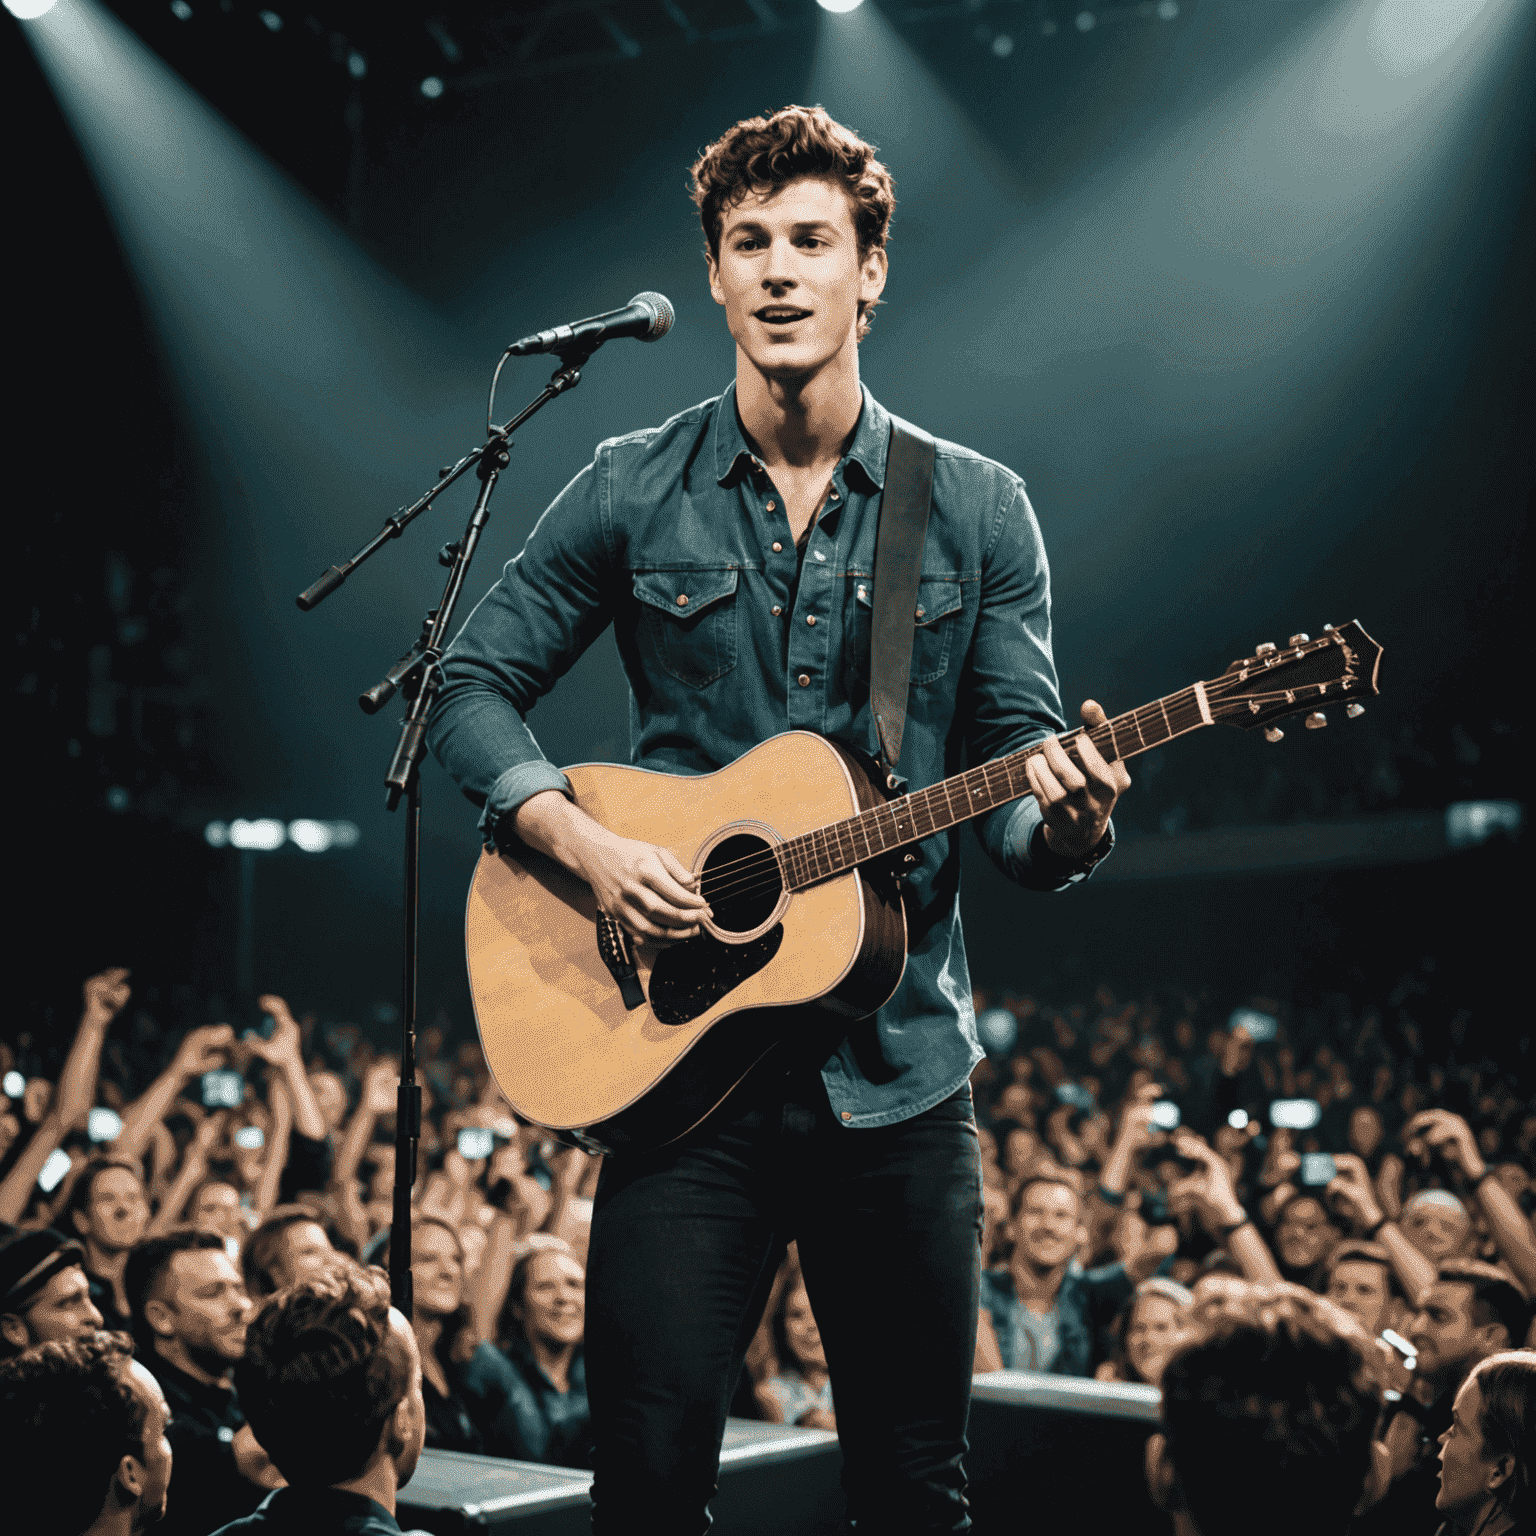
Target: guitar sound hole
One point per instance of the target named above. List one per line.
(742, 883)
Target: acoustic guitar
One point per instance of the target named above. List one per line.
(620, 1045)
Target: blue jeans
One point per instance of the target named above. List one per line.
(685, 1244)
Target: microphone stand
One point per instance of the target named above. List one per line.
(418, 674)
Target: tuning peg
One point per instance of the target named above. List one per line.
(1298, 639)
(1354, 711)
(1267, 649)
(1273, 733)
(1316, 720)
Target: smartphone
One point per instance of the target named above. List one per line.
(475, 1142)
(250, 1138)
(1294, 1114)
(15, 1085)
(1165, 1115)
(1403, 1347)
(1257, 1026)
(103, 1125)
(1077, 1097)
(223, 1089)
(54, 1169)
(1318, 1168)
(263, 1031)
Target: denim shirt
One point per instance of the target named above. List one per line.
(677, 537)
(1086, 1302)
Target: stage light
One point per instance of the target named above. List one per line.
(1086, 21)
(271, 20)
(181, 10)
(1167, 10)
(357, 65)
(998, 1029)
(262, 836)
(216, 834)
(839, 6)
(1470, 822)
(1238, 1119)
(15, 1085)
(118, 798)
(29, 10)
(1002, 45)
(431, 87)
(1405, 35)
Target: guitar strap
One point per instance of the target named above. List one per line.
(899, 541)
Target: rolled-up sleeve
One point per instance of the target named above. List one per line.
(1011, 695)
(552, 602)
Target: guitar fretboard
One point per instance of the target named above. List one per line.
(830, 850)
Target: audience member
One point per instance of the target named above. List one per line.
(108, 1209)
(215, 1206)
(1437, 1224)
(801, 1391)
(1268, 1417)
(83, 1448)
(1305, 1234)
(289, 1244)
(331, 1378)
(44, 1295)
(192, 1307)
(1148, 1330)
(543, 1326)
(1487, 1451)
(1360, 1280)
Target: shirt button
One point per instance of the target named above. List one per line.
(776, 610)
(778, 548)
(811, 620)
(772, 506)
(819, 555)
(847, 1114)
(682, 599)
(804, 680)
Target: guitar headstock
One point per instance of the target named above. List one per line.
(1302, 677)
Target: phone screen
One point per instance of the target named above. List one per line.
(1295, 1114)
(54, 1169)
(250, 1138)
(1165, 1115)
(475, 1142)
(223, 1089)
(1318, 1168)
(1257, 1026)
(103, 1125)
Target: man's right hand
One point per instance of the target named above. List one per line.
(204, 1049)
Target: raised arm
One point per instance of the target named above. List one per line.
(1352, 1190)
(271, 1180)
(1215, 1199)
(194, 1165)
(202, 1050)
(1452, 1138)
(285, 1051)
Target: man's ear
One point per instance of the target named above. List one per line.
(874, 271)
(14, 1330)
(1162, 1476)
(160, 1317)
(81, 1221)
(714, 277)
(131, 1480)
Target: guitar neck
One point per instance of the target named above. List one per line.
(830, 850)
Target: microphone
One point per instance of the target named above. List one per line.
(647, 317)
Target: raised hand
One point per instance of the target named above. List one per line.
(105, 995)
(380, 1088)
(1210, 1185)
(1351, 1190)
(286, 1045)
(203, 1049)
(1076, 790)
(1451, 1137)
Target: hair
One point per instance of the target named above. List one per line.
(150, 1260)
(762, 154)
(266, 1244)
(788, 1359)
(1507, 1421)
(1046, 1173)
(1366, 1253)
(1495, 1297)
(80, 1192)
(68, 1415)
(1269, 1414)
(457, 1340)
(510, 1327)
(321, 1373)
(1167, 1290)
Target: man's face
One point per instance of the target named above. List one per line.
(1439, 1232)
(1360, 1288)
(791, 278)
(304, 1248)
(156, 1459)
(1304, 1236)
(61, 1311)
(116, 1213)
(217, 1209)
(202, 1301)
(1449, 1342)
(1047, 1227)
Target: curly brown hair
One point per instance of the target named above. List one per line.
(762, 154)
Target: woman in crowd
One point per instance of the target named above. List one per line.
(1486, 1455)
(802, 1391)
(1148, 1330)
(542, 1328)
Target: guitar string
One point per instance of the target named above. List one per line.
(763, 870)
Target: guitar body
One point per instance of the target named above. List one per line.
(777, 967)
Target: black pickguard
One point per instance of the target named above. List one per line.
(691, 977)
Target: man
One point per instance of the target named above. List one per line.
(1470, 1312)
(1360, 1280)
(189, 1300)
(1437, 1224)
(733, 549)
(1044, 1311)
(1305, 1235)
(332, 1380)
(289, 1243)
(44, 1295)
(1268, 1415)
(108, 1209)
(83, 1450)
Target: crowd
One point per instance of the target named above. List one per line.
(1295, 1215)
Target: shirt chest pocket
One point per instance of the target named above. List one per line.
(687, 622)
(935, 622)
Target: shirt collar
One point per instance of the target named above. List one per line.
(871, 438)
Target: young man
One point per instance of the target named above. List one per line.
(732, 549)
(108, 1209)
(332, 1380)
(82, 1438)
(189, 1300)
(44, 1295)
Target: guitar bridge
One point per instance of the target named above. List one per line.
(618, 953)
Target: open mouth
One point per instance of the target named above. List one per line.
(781, 314)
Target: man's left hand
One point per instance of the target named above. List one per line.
(1077, 791)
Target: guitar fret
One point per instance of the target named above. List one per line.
(1167, 724)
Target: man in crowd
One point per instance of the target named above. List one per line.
(44, 1294)
(191, 1303)
(108, 1209)
(1305, 1235)
(1471, 1311)
(1268, 1416)
(332, 1380)
(289, 1243)
(1360, 1280)
(1044, 1311)
(83, 1449)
